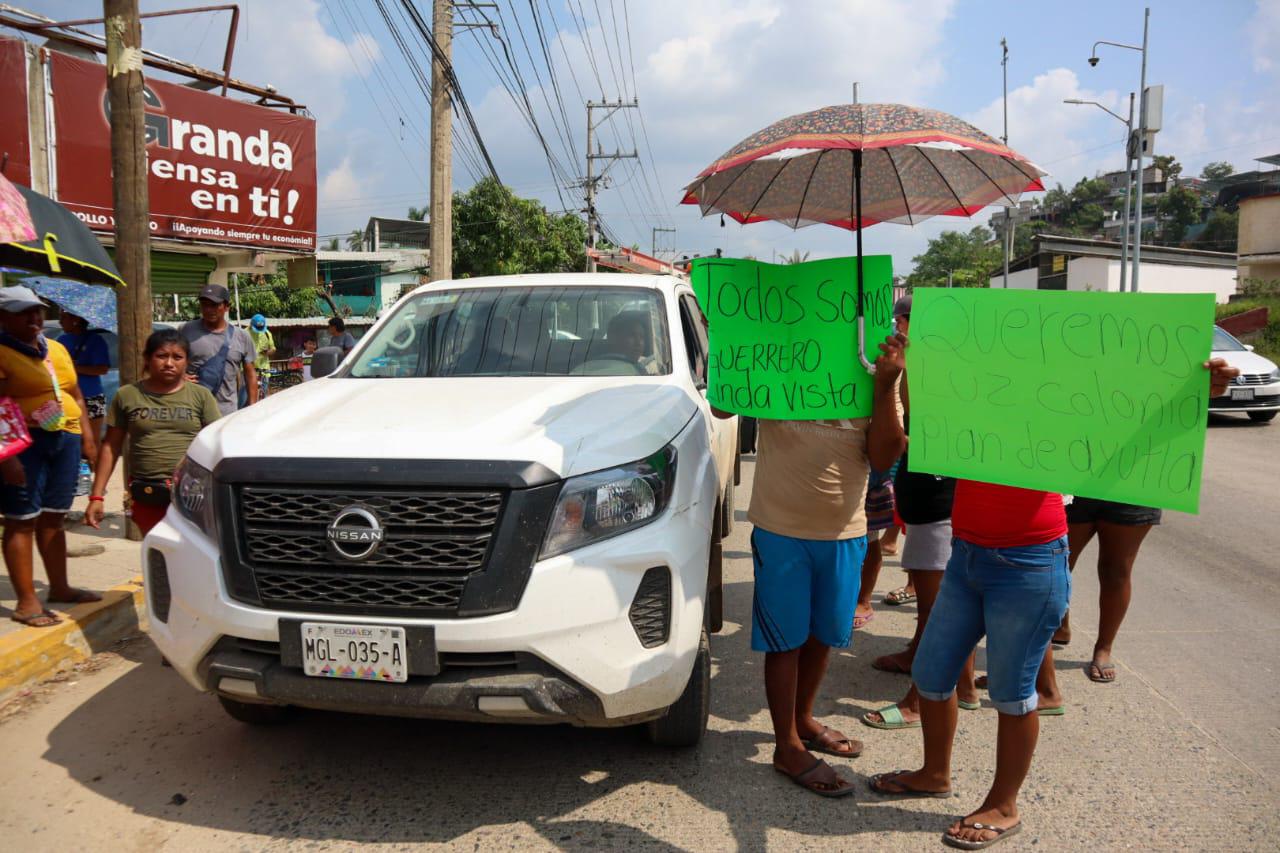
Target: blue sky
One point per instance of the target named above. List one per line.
(709, 72)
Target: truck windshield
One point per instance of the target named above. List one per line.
(522, 331)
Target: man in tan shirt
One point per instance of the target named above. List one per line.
(808, 545)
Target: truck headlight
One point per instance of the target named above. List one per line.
(193, 495)
(606, 503)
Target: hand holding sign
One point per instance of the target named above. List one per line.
(1103, 395)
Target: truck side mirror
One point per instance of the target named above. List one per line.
(325, 361)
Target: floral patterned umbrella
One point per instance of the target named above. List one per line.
(853, 165)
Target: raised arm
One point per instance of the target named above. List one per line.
(886, 439)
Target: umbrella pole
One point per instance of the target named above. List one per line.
(857, 203)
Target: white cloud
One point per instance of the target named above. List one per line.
(340, 185)
(1264, 35)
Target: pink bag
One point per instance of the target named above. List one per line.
(14, 437)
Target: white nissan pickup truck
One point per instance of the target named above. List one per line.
(506, 504)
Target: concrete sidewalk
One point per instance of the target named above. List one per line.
(100, 560)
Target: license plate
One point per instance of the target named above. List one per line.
(1242, 393)
(360, 652)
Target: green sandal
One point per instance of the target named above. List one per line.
(968, 706)
(890, 718)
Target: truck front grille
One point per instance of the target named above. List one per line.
(432, 542)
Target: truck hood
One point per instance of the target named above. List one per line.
(571, 424)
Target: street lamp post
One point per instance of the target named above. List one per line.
(1142, 133)
(1128, 178)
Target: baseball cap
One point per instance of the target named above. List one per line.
(215, 293)
(258, 322)
(14, 300)
(903, 306)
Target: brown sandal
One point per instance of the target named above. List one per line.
(843, 787)
(827, 741)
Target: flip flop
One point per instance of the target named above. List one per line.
(828, 739)
(43, 619)
(860, 619)
(899, 596)
(802, 779)
(1060, 711)
(1002, 832)
(1100, 669)
(968, 706)
(906, 793)
(890, 719)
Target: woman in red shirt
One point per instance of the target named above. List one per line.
(1008, 580)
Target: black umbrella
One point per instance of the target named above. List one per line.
(64, 246)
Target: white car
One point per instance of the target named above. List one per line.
(506, 504)
(1256, 391)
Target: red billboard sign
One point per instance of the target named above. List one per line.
(219, 170)
(15, 144)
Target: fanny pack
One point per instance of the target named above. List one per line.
(150, 492)
(211, 373)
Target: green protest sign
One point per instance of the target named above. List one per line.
(784, 341)
(1102, 395)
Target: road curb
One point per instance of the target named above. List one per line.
(31, 655)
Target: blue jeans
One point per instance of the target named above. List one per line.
(52, 466)
(1017, 598)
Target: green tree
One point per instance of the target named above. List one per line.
(355, 241)
(497, 233)
(417, 214)
(1086, 219)
(969, 256)
(1025, 231)
(1179, 209)
(1168, 166)
(1217, 170)
(1220, 232)
(272, 297)
(796, 257)
(333, 244)
(1090, 190)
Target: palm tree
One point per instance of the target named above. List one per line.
(333, 244)
(355, 241)
(418, 214)
(795, 257)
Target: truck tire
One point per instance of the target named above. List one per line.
(255, 713)
(686, 720)
(1261, 417)
(713, 602)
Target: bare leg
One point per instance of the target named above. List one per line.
(1015, 745)
(870, 574)
(1047, 682)
(51, 539)
(19, 544)
(781, 684)
(889, 542)
(1078, 537)
(938, 723)
(926, 585)
(1118, 546)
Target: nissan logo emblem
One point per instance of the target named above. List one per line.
(354, 534)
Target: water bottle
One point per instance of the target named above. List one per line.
(85, 481)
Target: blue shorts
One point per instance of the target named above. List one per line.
(804, 588)
(1017, 598)
(52, 465)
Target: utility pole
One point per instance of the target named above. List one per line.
(656, 231)
(1142, 140)
(441, 145)
(593, 181)
(1007, 243)
(129, 188)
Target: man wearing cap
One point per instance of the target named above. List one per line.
(220, 352)
(264, 347)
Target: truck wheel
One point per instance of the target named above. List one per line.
(726, 512)
(254, 713)
(686, 720)
(1261, 417)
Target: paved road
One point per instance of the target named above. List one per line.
(1182, 752)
